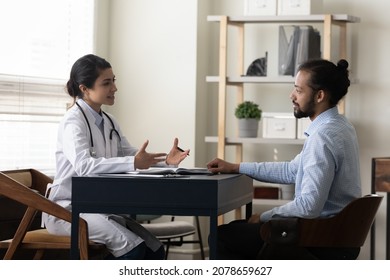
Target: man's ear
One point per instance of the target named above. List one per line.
(321, 96)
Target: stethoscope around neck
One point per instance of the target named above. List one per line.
(112, 131)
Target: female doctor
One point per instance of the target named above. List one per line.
(90, 142)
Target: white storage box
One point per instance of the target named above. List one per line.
(279, 125)
(260, 7)
(302, 125)
(300, 7)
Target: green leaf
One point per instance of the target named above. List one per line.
(248, 110)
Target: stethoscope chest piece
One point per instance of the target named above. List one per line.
(92, 152)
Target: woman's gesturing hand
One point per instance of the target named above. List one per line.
(144, 160)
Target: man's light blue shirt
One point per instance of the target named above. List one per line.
(326, 173)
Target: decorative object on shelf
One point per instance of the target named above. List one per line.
(258, 67)
(248, 114)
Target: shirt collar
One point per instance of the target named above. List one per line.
(321, 119)
(97, 116)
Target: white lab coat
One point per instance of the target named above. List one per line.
(73, 158)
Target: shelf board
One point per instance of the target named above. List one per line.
(238, 140)
(253, 79)
(286, 18)
(261, 80)
(269, 202)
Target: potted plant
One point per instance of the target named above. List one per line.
(248, 114)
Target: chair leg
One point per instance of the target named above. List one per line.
(39, 254)
(200, 238)
(168, 243)
(20, 233)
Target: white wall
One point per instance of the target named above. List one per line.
(152, 48)
(161, 52)
(102, 27)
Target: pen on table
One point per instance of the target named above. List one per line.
(181, 150)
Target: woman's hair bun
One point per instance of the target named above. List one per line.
(343, 64)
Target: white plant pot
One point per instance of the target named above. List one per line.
(248, 128)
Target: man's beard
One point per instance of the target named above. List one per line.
(307, 111)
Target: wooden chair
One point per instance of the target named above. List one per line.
(380, 182)
(27, 187)
(338, 237)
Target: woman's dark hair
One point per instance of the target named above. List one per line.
(324, 75)
(85, 71)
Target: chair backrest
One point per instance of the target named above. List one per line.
(349, 228)
(11, 211)
(21, 193)
(35, 202)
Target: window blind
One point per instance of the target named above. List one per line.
(44, 38)
(30, 110)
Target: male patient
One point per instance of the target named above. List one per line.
(326, 173)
